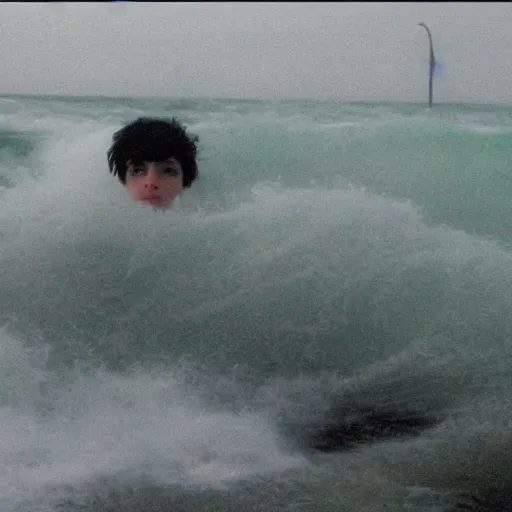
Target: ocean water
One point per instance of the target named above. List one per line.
(330, 255)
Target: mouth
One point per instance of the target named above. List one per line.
(152, 199)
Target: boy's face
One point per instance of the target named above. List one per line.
(156, 183)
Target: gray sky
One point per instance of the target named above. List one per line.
(346, 51)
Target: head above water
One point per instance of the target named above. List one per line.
(154, 158)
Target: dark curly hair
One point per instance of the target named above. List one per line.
(153, 140)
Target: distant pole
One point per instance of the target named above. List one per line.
(432, 65)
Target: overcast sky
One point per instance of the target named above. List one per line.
(346, 51)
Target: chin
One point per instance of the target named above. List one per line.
(162, 203)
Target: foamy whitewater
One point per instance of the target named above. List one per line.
(330, 255)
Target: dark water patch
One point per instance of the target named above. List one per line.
(490, 500)
(17, 143)
(350, 425)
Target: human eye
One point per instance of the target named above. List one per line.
(136, 170)
(171, 171)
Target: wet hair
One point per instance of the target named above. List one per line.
(153, 140)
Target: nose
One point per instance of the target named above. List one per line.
(152, 179)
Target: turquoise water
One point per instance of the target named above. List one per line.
(328, 253)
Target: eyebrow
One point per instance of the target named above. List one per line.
(168, 161)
